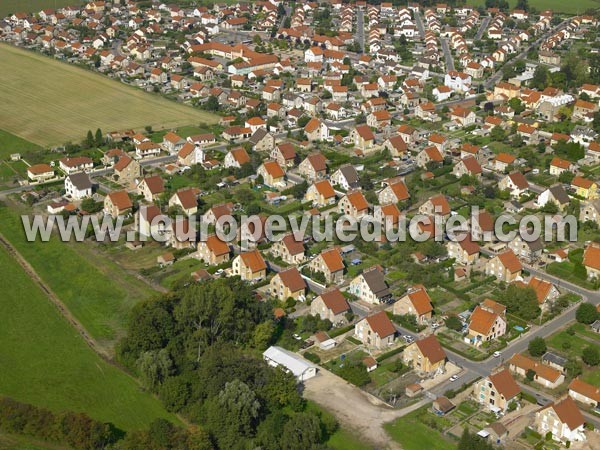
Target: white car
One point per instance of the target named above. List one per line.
(497, 354)
(297, 337)
(453, 378)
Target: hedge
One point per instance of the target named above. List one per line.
(389, 354)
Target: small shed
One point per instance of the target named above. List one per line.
(370, 363)
(166, 259)
(442, 406)
(413, 389)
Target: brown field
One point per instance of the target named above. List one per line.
(49, 102)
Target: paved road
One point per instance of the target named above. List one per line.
(447, 54)
(484, 24)
(420, 26)
(360, 29)
(491, 81)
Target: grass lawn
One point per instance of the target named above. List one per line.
(9, 144)
(95, 289)
(12, 6)
(17, 442)
(412, 434)
(564, 270)
(564, 342)
(592, 377)
(40, 104)
(46, 363)
(344, 440)
(577, 7)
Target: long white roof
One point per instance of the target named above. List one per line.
(291, 361)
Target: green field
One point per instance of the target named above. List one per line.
(44, 361)
(49, 103)
(9, 144)
(35, 6)
(412, 434)
(577, 7)
(97, 291)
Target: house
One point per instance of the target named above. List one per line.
(557, 195)
(497, 391)
(436, 206)
(331, 305)
(379, 119)
(584, 392)
(76, 164)
(262, 140)
(505, 267)
(172, 142)
(395, 191)
(313, 167)
(467, 166)
(40, 172)
(290, 362)
(117, 203)
(426, 356)
(416, 302)
(213, 251)
(150, 221)
(320, 193)
(284, 154)
(585, 188)
(78, 186)
(529, 251)
(272, 174)
(236, 158)
(482, 226)
(330, 264)
(316, 130)
(544, 375)
(502, 162)
(250, 266)
(464, 251)
(429, 155)
(545, 292)
(290, 250)
(186, 200)
(515, 183)
(214, 214)
(127, 170)
(363, 137)
(345, 177)
(462, 116)
(190, 154)
(288, 284)
(559, 165)
(590, 211)
(370, 286)
(353, 204)
(562, 419)
(151, 188)
(485, 325)
(396, 146)
(591, 260)
(166, 259)
(376, 331)
(458, 81)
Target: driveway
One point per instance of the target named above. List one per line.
(357, 411)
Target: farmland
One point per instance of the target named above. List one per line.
(44, 361)
(41, 105)
(577, 7)
(12, 6)
(95, 289)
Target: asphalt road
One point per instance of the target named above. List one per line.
(360, 29)
(420, 26)
(484, 24)
(447, 54)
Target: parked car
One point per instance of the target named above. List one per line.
(453, 378)
(497, 354)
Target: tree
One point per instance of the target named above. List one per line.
(99, 139)
(232, 414)
(586, 313)
(454, 323)
(154, 367)
(521, 301)
(497, 134)
(470, 441)
(540, 77)
(89, 140)
(537, 346)
(591, 356)
(263, 333)
(530, 374)
(302, 431)
(212, 103)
